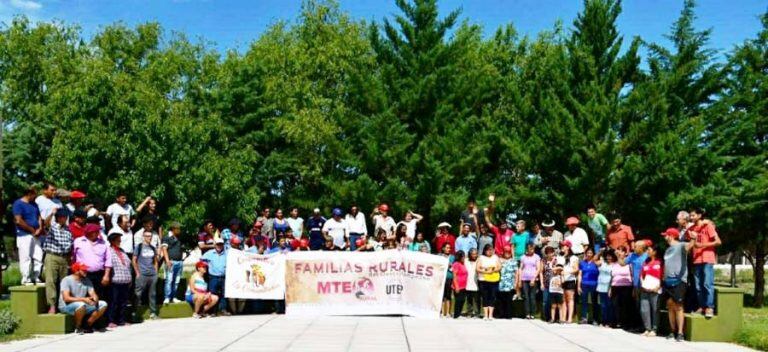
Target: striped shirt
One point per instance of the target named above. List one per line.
(58, 241)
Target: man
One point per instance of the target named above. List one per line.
(232, 231)
(295, 223)
(217, 270)
(76, 201)
(120, 207)
(577, 236)
(79, 299)
(548, 238)
(145, 268)
(315, 225)
(381, 220)
(443, 237)
(268, 223)
(485, 237)
(126, 235)
(704, 257)
(501, 232)
(684, 224)
(472, 215)
(281, 245)
(620, 235)
(57, 248)
(77, 225)
(174, 263)
(29, 230)
(636, 260)
(148, 225)
(357, 227)
(336, 228)
(47, 203)
(599, 226)
(466, 241)
(675, 280)
(520, 239)
(91, 250)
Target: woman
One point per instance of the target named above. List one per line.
(419, 241)
(459, 283)
(605, 263)
(509, 282)
(402, 239)
(621, 289)
(445, 251)
(529, 272)
(489, 268)
(587, 284)
(148, 209)
(473, 291)
(280, 225)
(547, 270)
(120, 283)
(650, 279)
(197, 291)
(410, 222)
(570, 276)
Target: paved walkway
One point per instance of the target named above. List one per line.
(368, 334)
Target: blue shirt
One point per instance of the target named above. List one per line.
(636, 261)
(315, 228)
(217, 262)
(29, 212)
(589, 273)
(227, 235)
(464, 244)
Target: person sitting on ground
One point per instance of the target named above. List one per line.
(79, 299)
(197, 294)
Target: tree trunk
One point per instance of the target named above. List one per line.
(759, 272)
(733, 268)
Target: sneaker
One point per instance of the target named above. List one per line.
(645, 333)
(166, 301)
(651, 334)
(111, 326)
(196, 316)
(153, 316)
(583, 321)
(226, 314)
(79, 331)
(174, 300)
(709, 313)
(679, 338)
(671, 336)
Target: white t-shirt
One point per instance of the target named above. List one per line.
(571, 269)
(579, 240)
(410, 228)
(126, 239)
(337, 230)
(116, 210)
(93, 212)
(380, 222)
(357, 223)
(47, 206)
(295, 225)
(471, 274)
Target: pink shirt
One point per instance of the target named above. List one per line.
(528, 265)
(93, 254)
(501, 239)
(460, 275)
(621, 275)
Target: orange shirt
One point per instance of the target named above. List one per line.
(706, 233)
(620, 237)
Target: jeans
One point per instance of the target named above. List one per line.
(458, 305)
(606, 309)
(216, 286)
(599, 244)
(586, 293)
(704, 281)
(529, 295)
(56, 268)
(649, 309)
(172, 277)
(353, 237)
(120, 294)
(545, 303)
(147, 283)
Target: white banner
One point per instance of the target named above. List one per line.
(364, 283)
(255, 276)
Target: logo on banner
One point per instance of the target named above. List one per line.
(394, 290)
(364, 289)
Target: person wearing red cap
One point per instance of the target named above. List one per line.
(91, 250)
(202, 300)
(382, 220)
(620, 235)
(577, 237)
(675, 279)
(76, 201)
(79, 298)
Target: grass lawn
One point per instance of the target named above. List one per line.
(754, 334)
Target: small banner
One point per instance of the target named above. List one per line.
(255, 276)
(364, 283)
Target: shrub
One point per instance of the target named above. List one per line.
(8, 322)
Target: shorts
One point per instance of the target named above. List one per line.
(190, 298)
(555, 298)
(70, 308)
(676, 293)
(447, 290)
(569, 285)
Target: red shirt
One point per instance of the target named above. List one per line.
(76, 229)
(706, 233)
(620, 237)
(444, 238)
(652, 268)
(460, 276)
(501, 239)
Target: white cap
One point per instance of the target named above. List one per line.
(317, 210)
(218, 240)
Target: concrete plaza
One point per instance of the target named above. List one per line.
(368, 334)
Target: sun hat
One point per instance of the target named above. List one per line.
(316, 210)
(443, 224)
(548, 223)
(571, 221)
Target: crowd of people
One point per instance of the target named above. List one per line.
(97, 263)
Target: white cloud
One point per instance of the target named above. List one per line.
(27, 5)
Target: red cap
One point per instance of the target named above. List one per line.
(235, 241)
(648, 243)
(671, 232)
(384, 207)
(77, 195)
(359, 242)
(201, 264)
(571, 221)
(91, 228)
(566, 243)
(78, 266)
(304, 243)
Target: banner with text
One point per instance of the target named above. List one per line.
(364, 283)
(255, 276)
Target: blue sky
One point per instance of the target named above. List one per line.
(235, 23)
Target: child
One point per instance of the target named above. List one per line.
(556, 294)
